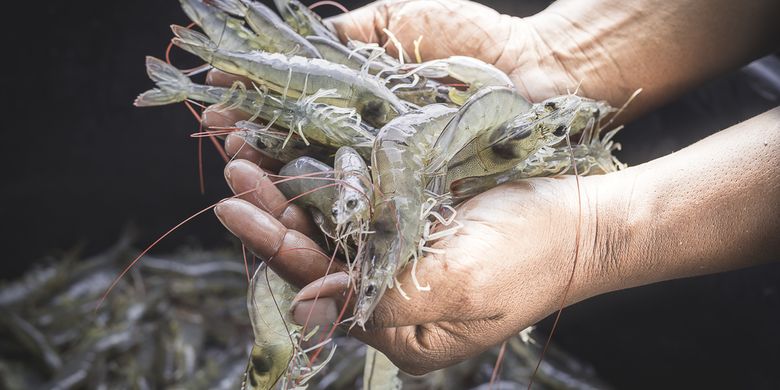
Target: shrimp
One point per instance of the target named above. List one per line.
(352, 204)
(325, 124)
(593, 157)
(379, 373)
(352, 207)
(229, 32)
(546, 124)
(313, 188)
(400, 157)
(303, 20)
(475, 73)
(273, 33)
(276, 353)
(295, 76)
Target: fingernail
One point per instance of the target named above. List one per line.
(319, 312)
(205, 118)
(231, 147)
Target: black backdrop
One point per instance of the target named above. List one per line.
(79, 163)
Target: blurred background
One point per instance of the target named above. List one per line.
(79, 163)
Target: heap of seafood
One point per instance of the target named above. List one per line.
(379, 149)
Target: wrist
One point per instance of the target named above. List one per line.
(614, 234)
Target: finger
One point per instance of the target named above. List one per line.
(244, 177)
(238, 148)
(215, 119)
(219, 78)
(292, 255)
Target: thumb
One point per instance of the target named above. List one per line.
(364, 24)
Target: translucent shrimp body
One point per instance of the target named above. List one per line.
(546, 124)
(591, 157)
(295, 76)
(269, 301)
(220, 27)
(273, 33)
(400, 158)
(322, 123)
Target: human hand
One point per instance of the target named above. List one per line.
(499, 273)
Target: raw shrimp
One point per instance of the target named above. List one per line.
(593, 157)
(546, 124)
(295, 76)
(273, 33)
(276, 353)
(320, 122)
(229, 32)
(303, 20)
(311, 184)
(401, 154)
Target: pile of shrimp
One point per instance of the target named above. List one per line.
(378, 148)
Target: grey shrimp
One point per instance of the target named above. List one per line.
(399, 161)
(296, 76)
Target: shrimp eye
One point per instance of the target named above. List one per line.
(293, 6)
(370, 290)
(550, 105)
(351, 204)
(559, 131)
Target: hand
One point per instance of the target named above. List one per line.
(504, 270)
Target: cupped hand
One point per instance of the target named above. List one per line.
(505, 269)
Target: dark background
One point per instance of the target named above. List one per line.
(79, 163)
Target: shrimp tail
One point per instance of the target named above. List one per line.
(233, 7)
(193, 42)
(172, 84)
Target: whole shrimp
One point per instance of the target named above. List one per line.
(591, 157)
(399, 161)
(220, 27)
(273, 33)
(295, 76)
(324, 124)
(546, 124)
(276, 354)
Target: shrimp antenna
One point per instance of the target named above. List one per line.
(573, 267)
(623, 107)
